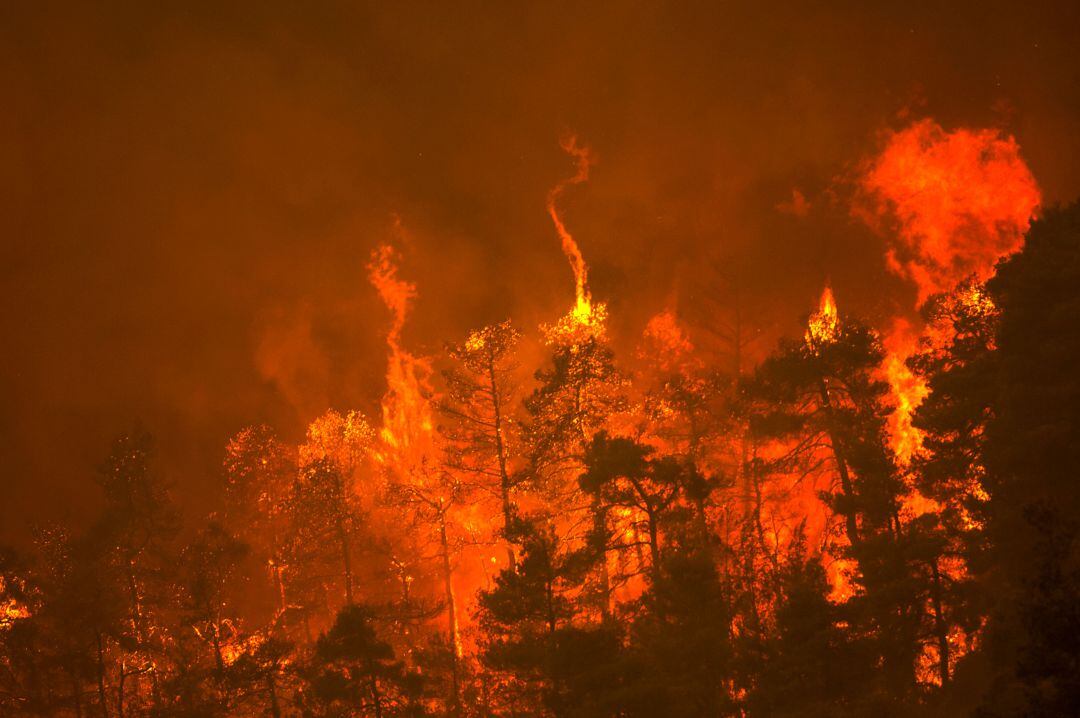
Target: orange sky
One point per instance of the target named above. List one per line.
(189, 196)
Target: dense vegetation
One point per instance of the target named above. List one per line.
(666, 540)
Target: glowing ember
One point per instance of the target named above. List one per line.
(12, 611)
(234, 649)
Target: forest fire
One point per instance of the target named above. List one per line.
(962, 201)
(801, 442)
(598, 479)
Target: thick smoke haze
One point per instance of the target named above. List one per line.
(191, 192)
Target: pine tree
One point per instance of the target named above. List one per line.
(325, 519)
(353, 672)
(429, 500)
(138, 524)
(823, 397)
(950, 469)
(259, 472)
(479, 407)
(620, 473)
(1031, 454)
(209, 570)
(810, 666)
(533, 632)
(577, 395)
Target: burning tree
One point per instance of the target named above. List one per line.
(480, 407)
(826, 403)
(260, 470)
(810, 540)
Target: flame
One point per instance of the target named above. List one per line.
(963, 200)
(238, 646)
(476, 341)
(584, 318)
(583, 161)
(824, 325)
(11, 611)
(407, 426)
(908, 391)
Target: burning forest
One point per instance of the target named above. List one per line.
(641, 486)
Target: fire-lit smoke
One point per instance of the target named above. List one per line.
(961, 199)
(406, 410)
(958, 202)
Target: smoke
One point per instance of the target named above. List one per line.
(289, 355)
(225, 204)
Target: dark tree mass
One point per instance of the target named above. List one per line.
(498, 360)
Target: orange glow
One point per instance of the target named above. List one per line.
(963, 199)
(665, 342)
(232, 651)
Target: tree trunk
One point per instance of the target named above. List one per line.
(76, 692)
(600, 528)
(941, 629)
(549, 595)
(376, 697)
(346, 557)
(102, 697)
(271, 685)
(136, 626)
(451, 610)
(654, 545)
(280, 580)
(504, 475)
(850, 519)
(120, 691)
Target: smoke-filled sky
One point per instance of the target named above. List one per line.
(191, 191)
